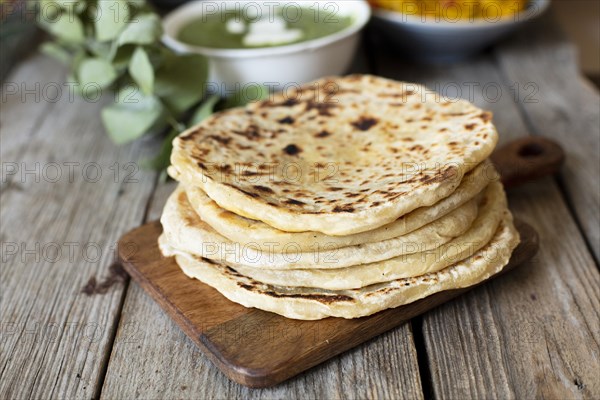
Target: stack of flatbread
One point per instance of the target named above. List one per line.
(340, 198)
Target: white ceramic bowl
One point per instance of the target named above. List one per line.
(274, 66)
(442, 40)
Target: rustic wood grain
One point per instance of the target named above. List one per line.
(22, 113)
(530, 334)
(370, 370)
(564, 108)
(533, 333)
(55, 339)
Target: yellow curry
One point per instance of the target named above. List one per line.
(453, 10)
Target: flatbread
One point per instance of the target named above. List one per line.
(331, 276)
(405, 266)
(338, 156)
(187, 232)
(251, 232)
(312, 304)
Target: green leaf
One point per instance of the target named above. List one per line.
(110, 19)
(79, 56)
(181, 81)
(141, 71)
(122, 57)
(249, 94)
(205, 110)
(80, 7)
(132, 116)
(139, 5)
(66, 26)
(99, 49)
(143, 29)
(50, 8)
(56, 51)
(163, 158)
(69, 5)
(96, 71)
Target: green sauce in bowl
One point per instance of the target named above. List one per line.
(238, 30)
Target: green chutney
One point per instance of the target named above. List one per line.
(211, 30)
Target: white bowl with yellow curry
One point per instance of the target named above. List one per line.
(275, 44)
(449, 30)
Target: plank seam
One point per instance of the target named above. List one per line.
(103, 370)
(564, 194)
(422, 357)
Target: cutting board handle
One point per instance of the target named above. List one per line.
(527, 159)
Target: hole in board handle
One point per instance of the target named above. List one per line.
(531, 150)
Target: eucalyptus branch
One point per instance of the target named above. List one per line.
(116, 45)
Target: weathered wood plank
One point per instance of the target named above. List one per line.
(18, 90)
(59, 224)
(565, 108)
(163, 361)
(531, 334)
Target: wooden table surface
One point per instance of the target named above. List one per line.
(68, 194)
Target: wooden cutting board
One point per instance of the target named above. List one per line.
(258, 348)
